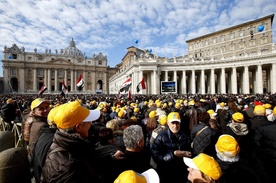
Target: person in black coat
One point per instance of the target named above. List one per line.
(8, 113)
(265, 138)
(233, 165)
(136, 156)
(168, 150)
(203, 136)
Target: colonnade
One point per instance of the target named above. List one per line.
(239, 79)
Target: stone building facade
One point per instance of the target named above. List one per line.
(237, 60)
(26, 72)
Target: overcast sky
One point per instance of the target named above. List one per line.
(112, 26)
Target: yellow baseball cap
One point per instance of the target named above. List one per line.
(227, 146)
(177, 105)
(9, 100)
(152, 114)
(72, 113)
(267, 106)
(136, 109)
(121, 114)
(259, 110)
(205, 164)
(274, 111)
(192, 102)
(211, 112)
(238, 117)
(37, 102)
(130, 176)
(174, 116)
(163, 120)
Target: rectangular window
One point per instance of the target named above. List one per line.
(232, 35)
(214, 40)
(222, 38)
(252, 43)
(206, 42)
(263, 40)
(29, 58)
(241, 33)
(100, 62)
(232, 47)
(13, 72)
(60, 73)
(40, 73)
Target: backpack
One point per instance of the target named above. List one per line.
(40, 151)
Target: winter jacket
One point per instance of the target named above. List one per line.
(8, 112)
(205, 141)
(257, 121)
(40, 150)
(170, 168)
(69, 159)
(238, 172)
(243, 136)
(265, 138)
(32, 130)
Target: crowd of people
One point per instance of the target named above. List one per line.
(157, 138)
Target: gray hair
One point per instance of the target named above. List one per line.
(132, 134)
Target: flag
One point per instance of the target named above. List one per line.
(42, 89)
(126, 85)
(64, 88)
(119, 95)
(141, 85)
(80, 82)
(129, 95)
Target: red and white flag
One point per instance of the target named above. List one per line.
(126, 85)
(64, 88)
(141, 85)
(42, 89)
(80, 82)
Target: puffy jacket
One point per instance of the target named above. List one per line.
(170, 168)
(265, 138)
(205, 141)
(69, 159)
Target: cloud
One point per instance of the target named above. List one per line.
(112, 26)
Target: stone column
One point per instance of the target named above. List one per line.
(166, 75)
(272, 78)
(175, 76)
(245, 83)
(213, 82)
(202, 81)
(45, 78)
(49, 81)
(154, 81)
(6, 79)
(35, 80)
(65, 77)
(259, 79)
(193, 86)
(184, 84)
(234, 80)
(72, 81)
(222, 81)
(56, 80)
(93, 81)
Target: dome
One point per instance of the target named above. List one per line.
(72, 50)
